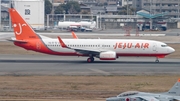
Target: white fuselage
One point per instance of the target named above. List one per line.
(120, 46)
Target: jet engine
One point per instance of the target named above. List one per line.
(107, 55)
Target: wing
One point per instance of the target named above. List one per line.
(86, 51)
(79, 50)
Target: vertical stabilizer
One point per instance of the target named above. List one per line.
(175, 90)
(22, 29)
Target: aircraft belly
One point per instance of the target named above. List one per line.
(135, 51)
(139, 52)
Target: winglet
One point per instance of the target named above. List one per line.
(61, 42)
(74, 35)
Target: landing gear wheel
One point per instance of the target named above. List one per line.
(89, 60)
(157, 61)
(92, 59)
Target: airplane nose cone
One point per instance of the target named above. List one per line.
(171, 50)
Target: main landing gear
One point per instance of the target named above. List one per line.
(157, 60)
(90, 59)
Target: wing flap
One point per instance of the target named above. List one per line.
(86, 51)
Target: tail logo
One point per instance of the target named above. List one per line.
(20, 28)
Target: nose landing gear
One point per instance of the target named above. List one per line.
(157, 60)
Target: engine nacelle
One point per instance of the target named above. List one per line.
(107, 56)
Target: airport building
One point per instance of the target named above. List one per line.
(105, 17)
(125, 2)
(171, 7)
(31, 10)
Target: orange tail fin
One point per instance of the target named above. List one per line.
(22, 29)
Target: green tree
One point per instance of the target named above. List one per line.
(84, 12)
(123, 11)
(59, 10)
(48, 7)
(72, 7)
(105, 4)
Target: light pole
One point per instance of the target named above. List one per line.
(97, 21)
(47, 20)
(52, 12)
(64, 14)
(178, 8)
(0, 14)
(135, 7)
(100, 20)
(127, 6)
(150, 14)
(11, 2)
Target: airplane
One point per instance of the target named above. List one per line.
(104, 49)
(172, 95)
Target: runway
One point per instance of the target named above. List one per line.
(60, 65)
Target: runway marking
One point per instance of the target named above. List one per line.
(100, 71)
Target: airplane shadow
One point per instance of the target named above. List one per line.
(84, 62)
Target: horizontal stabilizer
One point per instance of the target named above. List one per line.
(14, 40)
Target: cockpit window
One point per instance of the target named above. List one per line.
(128, 93)
(163, 45)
